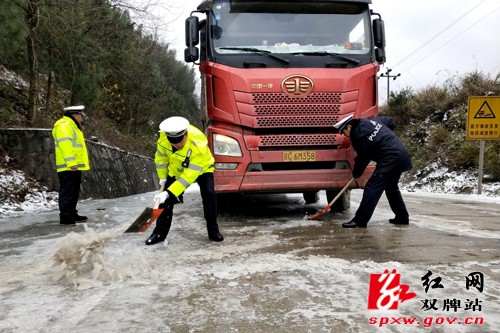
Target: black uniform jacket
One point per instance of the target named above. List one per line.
(374, 140)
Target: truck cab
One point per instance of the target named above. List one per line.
(275, 77)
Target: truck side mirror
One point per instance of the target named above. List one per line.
(379, 33)
(379, 39)
(380, 55)
(191, 54)
(192, 30)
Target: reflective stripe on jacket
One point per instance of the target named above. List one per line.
(171, 163)
(69, 145)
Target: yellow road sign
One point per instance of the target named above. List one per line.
(483, 118)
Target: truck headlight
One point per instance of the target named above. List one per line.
(226, 166)
(226, 146)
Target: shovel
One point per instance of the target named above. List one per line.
(318, 215)
(147, 217)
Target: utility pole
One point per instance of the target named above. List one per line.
(388, 75)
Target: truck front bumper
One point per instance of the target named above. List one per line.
(227, 181)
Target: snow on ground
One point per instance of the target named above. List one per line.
(439, 179)
(19, 195)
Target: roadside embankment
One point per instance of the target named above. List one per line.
(114, 172)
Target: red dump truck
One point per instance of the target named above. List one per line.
(275, 77)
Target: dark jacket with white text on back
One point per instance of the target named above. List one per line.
(374, 140)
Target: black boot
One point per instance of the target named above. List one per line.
(352, 224)
(162, 227)
(66, 219)
(155, 238)
(216, 236)
(399, 221)
(213, 231)
(79, 218)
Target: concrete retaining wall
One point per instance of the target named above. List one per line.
(114, 172)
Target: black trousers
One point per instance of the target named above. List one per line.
(69, 192)
(376, 185)
(209, 200)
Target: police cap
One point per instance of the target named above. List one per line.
(343, 123)
(174, 127)
(74, 109)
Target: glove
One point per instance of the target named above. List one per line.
(162, 196)
(359, 167)
(357, 171)
(162, 181)
(356, 174)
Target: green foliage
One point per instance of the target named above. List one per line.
(492, 159)
(408, 107)
(463, 154)
(431, 123)
(399, 106)
(472, 84)
(12, 36)
(95, 55)
(439, 136)
(430, 102)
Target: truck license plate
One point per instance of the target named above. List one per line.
(299, 156)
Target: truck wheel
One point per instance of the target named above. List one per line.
(342, 204)
(227, 200)
(311, 197)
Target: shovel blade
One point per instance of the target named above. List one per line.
(154, 216)
(141, 221)
(317, 216)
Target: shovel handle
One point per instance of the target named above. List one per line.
(157, 201)
(317, 216)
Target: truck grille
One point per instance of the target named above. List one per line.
(297, 140)
(265, 110)
(281, 122)
(267, 98)
(308, 121)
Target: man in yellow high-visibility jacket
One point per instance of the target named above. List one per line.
(71, 159)
(182, 158)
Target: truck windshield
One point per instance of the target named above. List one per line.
(298, 28)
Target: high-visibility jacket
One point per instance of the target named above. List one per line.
(69, 145)
(185, 164)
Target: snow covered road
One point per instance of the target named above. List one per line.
(275, 272)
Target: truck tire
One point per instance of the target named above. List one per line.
(342, 204)
(226, 200)
(311, 197)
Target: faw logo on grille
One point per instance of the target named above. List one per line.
(297, 86)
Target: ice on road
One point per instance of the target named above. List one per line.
(276, 271)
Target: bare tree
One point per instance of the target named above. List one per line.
(32, 18)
